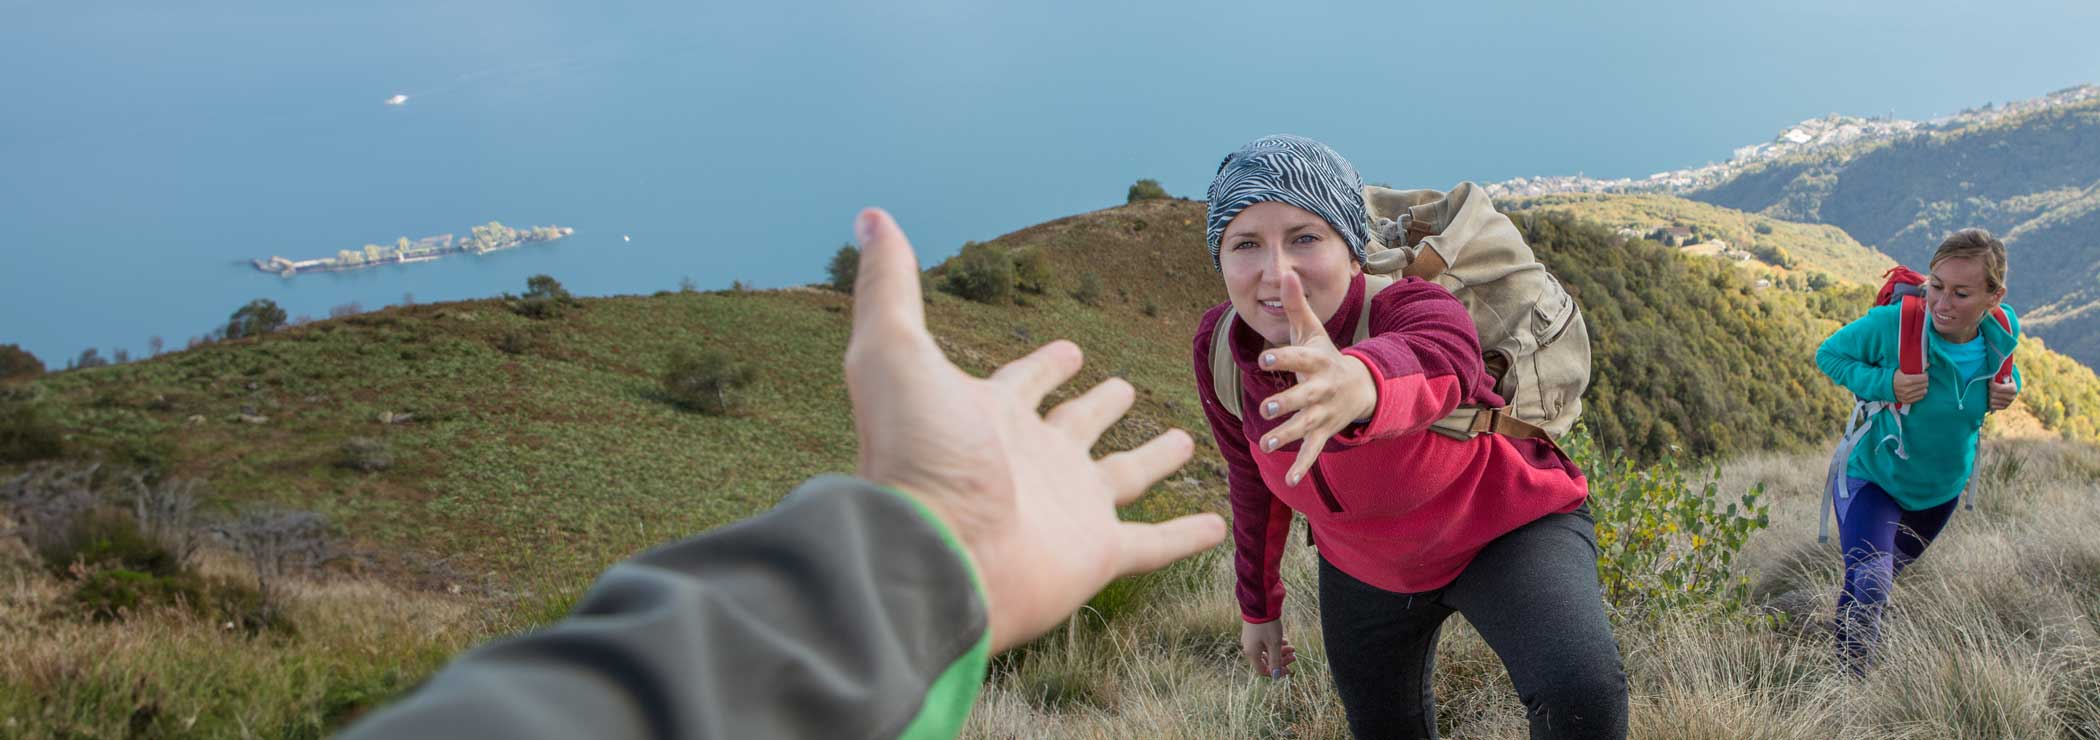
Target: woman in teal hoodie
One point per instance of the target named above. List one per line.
(1907, 474)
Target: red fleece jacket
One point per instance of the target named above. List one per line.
(1390, 502)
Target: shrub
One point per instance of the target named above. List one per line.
(1089, 290)
(1667, 543)
(709, 382)
(18, 364)
(982, 273)
(280, 544)
(844, 269)
(261, 316)
(517, 342)
(1146, 189)
(26, 434)
(365, 455)
(89, 358)
(544, 298)
(1032, 271)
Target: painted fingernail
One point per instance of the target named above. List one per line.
(1276, 673)
(1270, 409)
(1269, 444)
(1295, 477)
(1267, 360)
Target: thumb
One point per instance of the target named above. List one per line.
(1305, 324)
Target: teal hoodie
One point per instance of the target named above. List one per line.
(1939, 433)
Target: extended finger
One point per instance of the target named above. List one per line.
(1300, 426)
(1086, 417)
(1144, 548)
(1304, 323)
(1301, 359)
(1033, 377)
(1301, 396)
(1307, 453)
(1131, 472)
(886, 289)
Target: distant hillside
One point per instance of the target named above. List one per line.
(1791, 248)
(2033, 179)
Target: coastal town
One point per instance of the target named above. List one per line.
(489, 237)
(1807, 137)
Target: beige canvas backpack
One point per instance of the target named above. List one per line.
(1532, 337)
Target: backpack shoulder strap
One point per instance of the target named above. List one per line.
(1910, 345)
(1224, 375)
(2005, 369)
(1372, 285)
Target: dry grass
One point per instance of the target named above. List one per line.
(1994, 634)
(168, 672)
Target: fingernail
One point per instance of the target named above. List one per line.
(1267, 360)
(1295, 477)
(1269, 444)
(1270, 409)
(1276, 673)
(864, 227)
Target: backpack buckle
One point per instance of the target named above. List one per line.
(1487, 420)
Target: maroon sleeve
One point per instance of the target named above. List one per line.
(1424, 358)
(1261, 523)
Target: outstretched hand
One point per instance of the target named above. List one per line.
(1334, 390)
(1035, 511)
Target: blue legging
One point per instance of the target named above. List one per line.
(1880, 539)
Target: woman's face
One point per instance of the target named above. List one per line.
(1956, 298)
(1269, 239)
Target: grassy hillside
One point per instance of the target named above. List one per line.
(1797, 247)
(536, 451)
(2033, 180)
(1995, 633)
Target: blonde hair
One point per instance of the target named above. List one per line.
(1978, 245)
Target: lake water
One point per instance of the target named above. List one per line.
(148, 150)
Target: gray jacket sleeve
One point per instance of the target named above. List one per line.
(848, 611)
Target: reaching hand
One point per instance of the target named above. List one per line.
(2002, 395)
(1909, 387)
(1334, 390)
(1036, 512)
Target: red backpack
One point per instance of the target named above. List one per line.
(1907, 286)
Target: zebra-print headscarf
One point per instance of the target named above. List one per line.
(1292, 170)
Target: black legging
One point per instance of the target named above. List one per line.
(1533, 596)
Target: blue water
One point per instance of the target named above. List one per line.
(148, 149)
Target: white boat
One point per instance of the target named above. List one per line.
(398, 99)
(626, 238)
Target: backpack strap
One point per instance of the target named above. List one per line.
(2005, 369)
(1911, 357)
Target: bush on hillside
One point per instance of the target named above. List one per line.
(1667, 542)
(544, 298)
(1146, 189)
(1089, 290)
(26, 433)
(1032, 271)
(982, 273)
(364, 455)
(710, 382)
(18, 364)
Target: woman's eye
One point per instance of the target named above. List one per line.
(1244, 245)
(1307, 238)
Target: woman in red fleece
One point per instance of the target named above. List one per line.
(1411, 525)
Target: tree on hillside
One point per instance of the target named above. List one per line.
(1032, 271)
(18, 363)
(844, 268)
(261, 316)
(544, 298)
(1146, 189)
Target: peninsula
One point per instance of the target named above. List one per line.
(490, 237)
